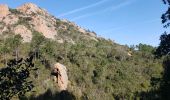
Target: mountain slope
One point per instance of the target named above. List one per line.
(29, 17)
(98, 69)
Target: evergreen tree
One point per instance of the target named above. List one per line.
(15, 42)
(37, 41)
(5, 48)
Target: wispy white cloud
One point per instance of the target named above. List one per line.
(81, 16)
(131, 25)
(83, 8)
(126, 3)
(112, 8)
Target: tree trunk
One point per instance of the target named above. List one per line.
(16, 54)
(35, 53)
(5, 59)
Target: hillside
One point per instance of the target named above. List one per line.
(98, 69)
(29, 17)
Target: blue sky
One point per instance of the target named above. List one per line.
(124, 21)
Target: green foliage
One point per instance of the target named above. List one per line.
(98, 60)
(164, 47)
(166, 16)
(10, 44)
(101, 66)
(5, 47)
(97, 69)
(14, 78)
(17, 39)
(165, 82)
(24, 21)
(48, 48)
(14, 11)
(37, 40)
(145, 48)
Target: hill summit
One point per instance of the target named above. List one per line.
(29, 17)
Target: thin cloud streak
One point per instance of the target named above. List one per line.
(126, 3)
(83, 16)
(83, 8)
(131, 25)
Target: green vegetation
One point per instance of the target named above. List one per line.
(14, 78)
(14, 11)
(164, 48)
(96, 69)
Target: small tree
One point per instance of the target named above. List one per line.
(164, 50)
(37, 41)
(166, 16)
(5, 48)
(48, 48)
(14, 43)
(164, 47)
(145, 48)
(14, 78)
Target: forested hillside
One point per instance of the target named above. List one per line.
(98, 69)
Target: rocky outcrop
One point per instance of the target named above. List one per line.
(25, 33)
(10, 19)
(4, 11)
(60, 76)
(29, 18)
(41, 20)
(44, 26)
(30, 8)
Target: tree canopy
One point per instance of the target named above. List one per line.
(166, 16)
(13, 78)
(164, 46)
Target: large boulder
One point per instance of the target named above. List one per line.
(60, 76)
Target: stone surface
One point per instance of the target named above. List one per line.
(62, 79)
(24, 32)
(4, 11)
(30, 8)
(44, 26)
(41, 20)
(10, 19)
